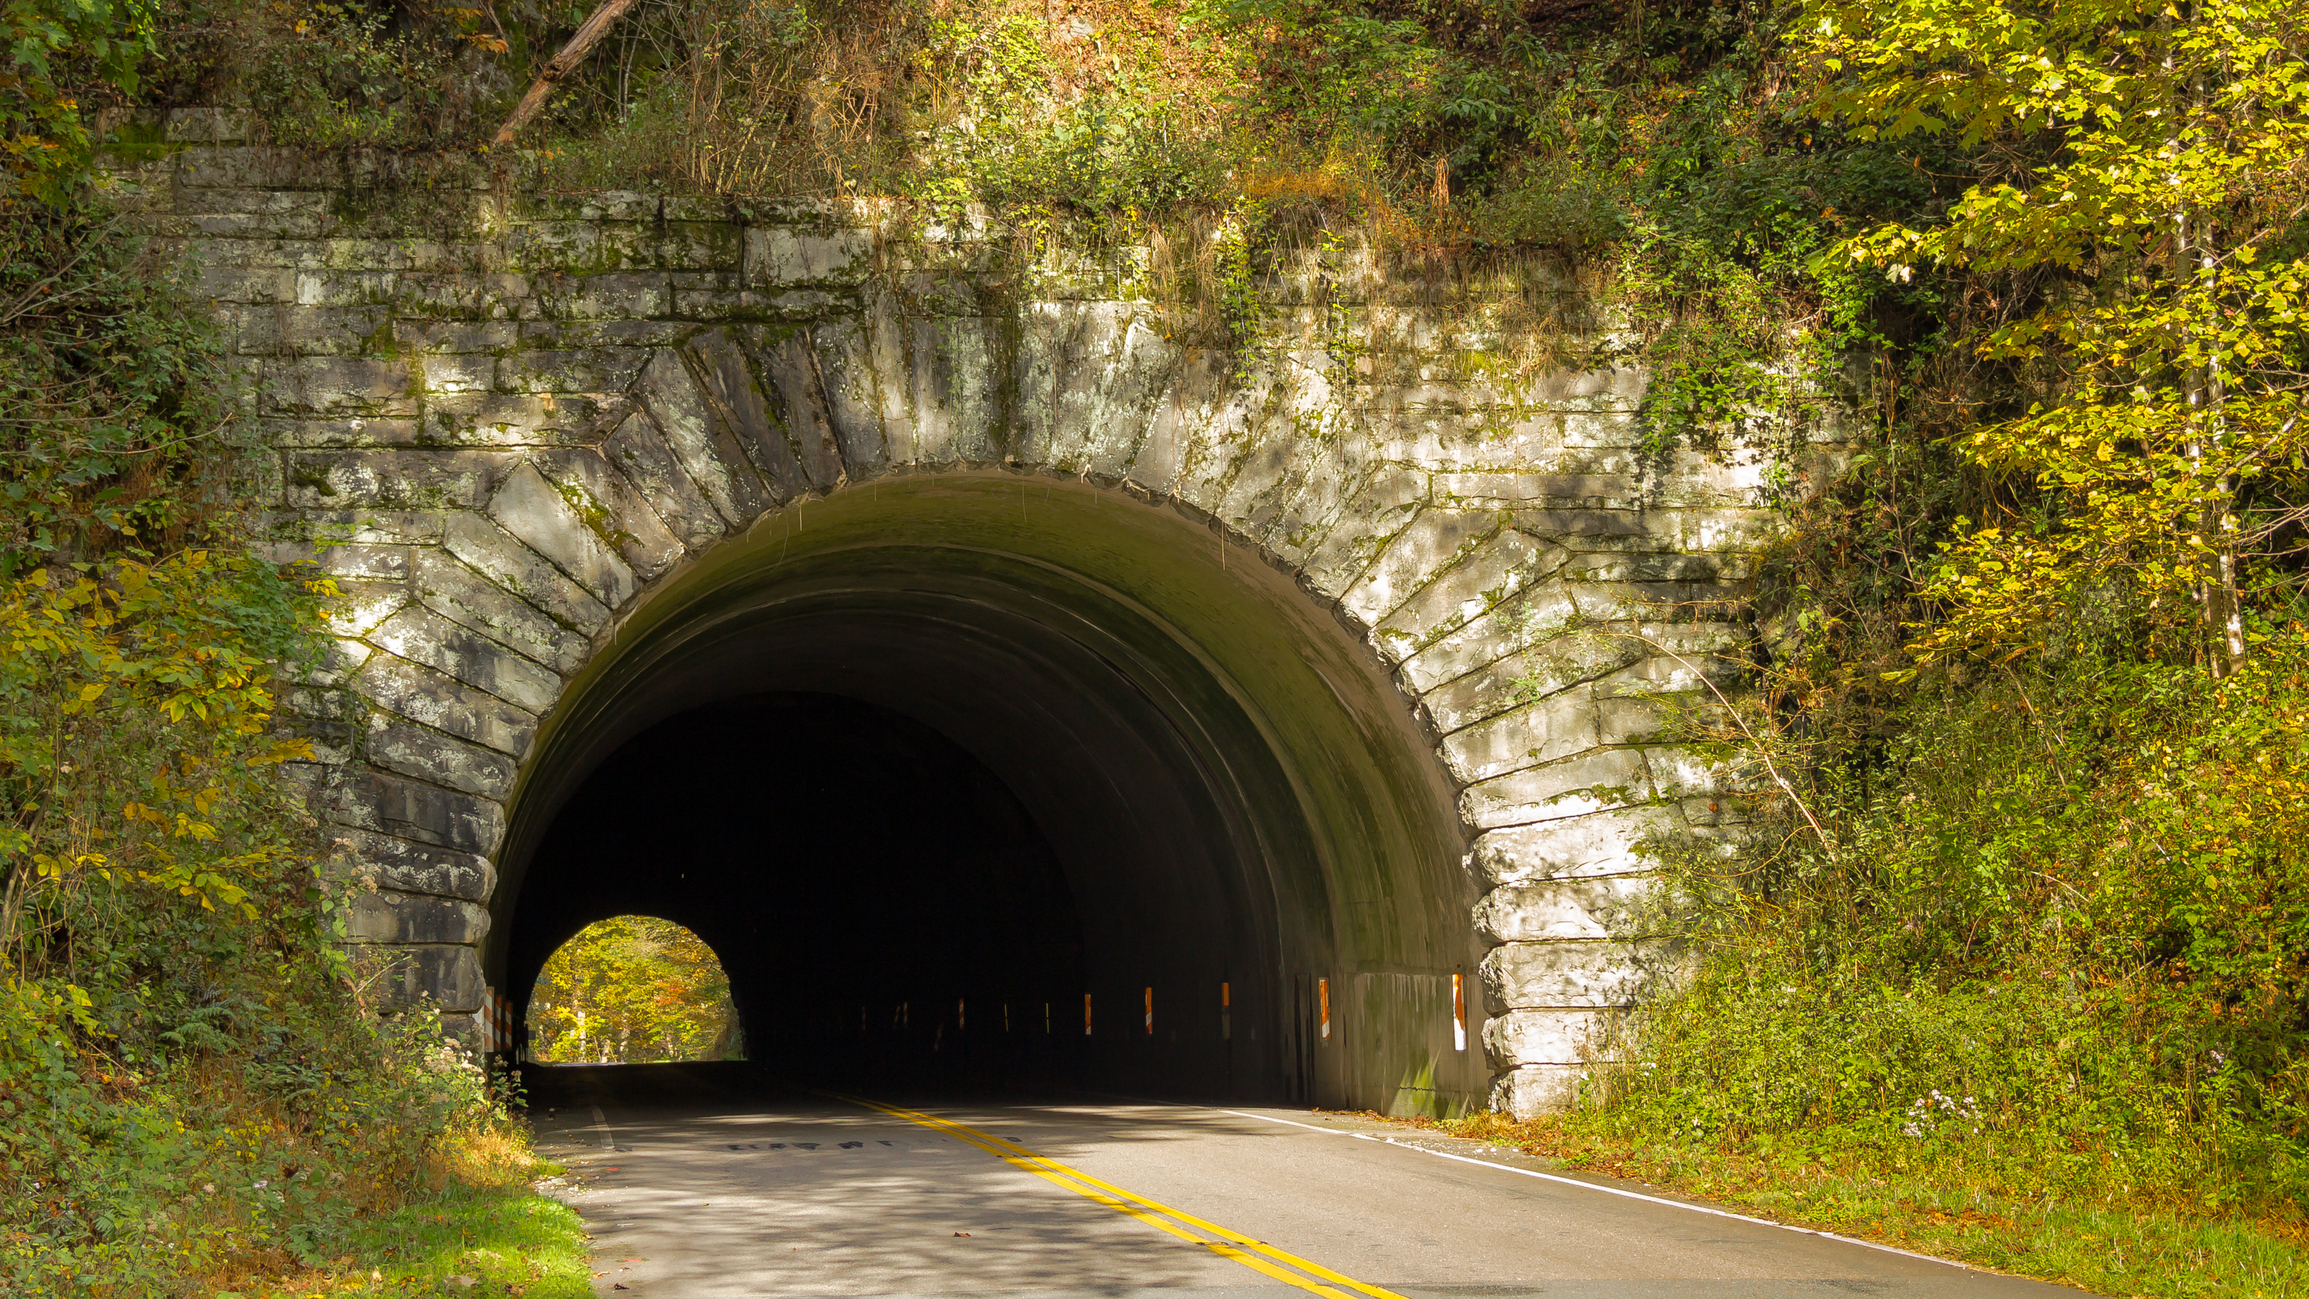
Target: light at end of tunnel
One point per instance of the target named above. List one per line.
(1323, 999)
(1459, 1012)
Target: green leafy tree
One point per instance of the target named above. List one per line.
(633, 990)
(2136, 230)
(59, 52)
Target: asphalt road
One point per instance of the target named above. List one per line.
(799, 1194)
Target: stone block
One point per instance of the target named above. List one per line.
(337, 385)
(458, 373)
(249, 284)
(1595, 974)
(1558, 1037)
(359, 606)
(750, 416)
(384, 916)
(1088, 377)
(1172, 431)
(786, 362)
(842, 355)
(205, 126)
(1559, 726)
(705, 450)
(699, 245)
(1432, 544)
(362, 527)
(640, 452)
(275, 329)
(456, 337)
(434, 699)
(341, 431)
(1557, 665)
(366, 798)
(1591, 782)
(372, 860)
(446, 976)
(613, 506)
(1525, 490)
(463, 596)
(1384, 506)
(953, 389)
(496, 419)
(610, 296)
(422, 636)
(498, 556)
(1601, 843)
(1577, 527)
(1608, 906)
(1601, 429)
(429, 755)
(1543, 612)
(1682, 771)
(576, 370)
(354, 562)
(540, 517)
(339, 660)
(777, 256)
(393, 480)
(1537, 1089)
(1477, 583)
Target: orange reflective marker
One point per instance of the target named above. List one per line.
(1323, 996)
(1150, 1012)
(1086, 1014)
(1458, 1012)
(1226, 1013)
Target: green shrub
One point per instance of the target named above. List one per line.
(2056, 943)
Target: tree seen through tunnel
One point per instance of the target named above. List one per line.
(633, 990)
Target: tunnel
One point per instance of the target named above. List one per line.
(1006, 781)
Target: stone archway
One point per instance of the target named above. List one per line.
(526, 429)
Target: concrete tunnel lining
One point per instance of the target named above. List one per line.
(1225, 774)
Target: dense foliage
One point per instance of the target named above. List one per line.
(193, 1093)
(633, 990)
(2028, 922)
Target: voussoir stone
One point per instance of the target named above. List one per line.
(385, 916)
(422, 636)
(539, 516)
(1596, 974)
(430, 755)
(1594, 907)
(386, 861)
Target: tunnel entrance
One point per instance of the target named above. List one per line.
(975, 778)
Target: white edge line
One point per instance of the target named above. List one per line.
(1613, 1190)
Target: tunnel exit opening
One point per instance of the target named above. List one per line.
(980, 780)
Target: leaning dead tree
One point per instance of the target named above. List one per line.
(559, 69)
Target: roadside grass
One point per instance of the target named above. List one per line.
(464, 1240)
(2152, 1246)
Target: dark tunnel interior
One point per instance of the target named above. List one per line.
(950, 750)
(860, 931)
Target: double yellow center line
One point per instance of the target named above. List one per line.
(1256, 1255)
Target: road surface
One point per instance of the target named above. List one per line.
(804, 1194)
